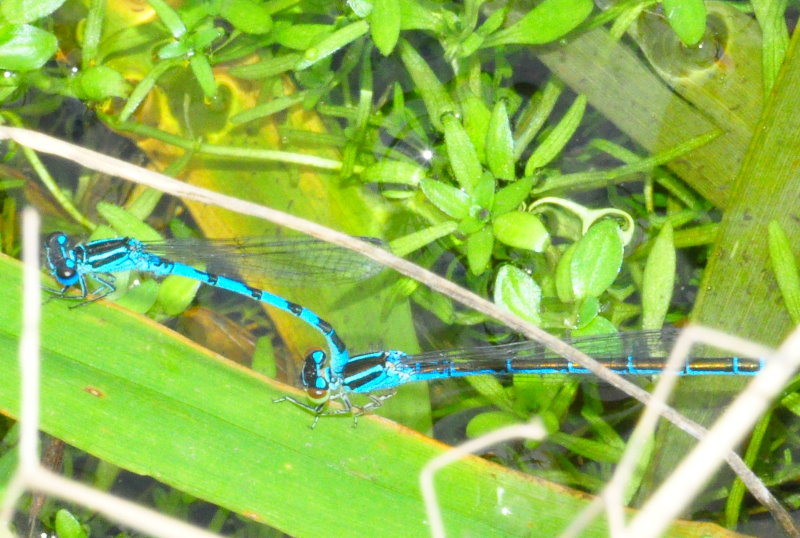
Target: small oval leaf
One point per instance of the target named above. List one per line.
(687, 18)
(385, 25)
(476, 120)
(391, 171)
(68, 526)
(25, 48)
(518, 293)
(450, 200)
(500, 143)
(479, 250)
(658, 280)
(463, 157)
(511, 196)
(99, 82)
(519, 229)
(564, 276)
(488, 422)
(597, 260)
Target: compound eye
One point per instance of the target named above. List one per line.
(312, 365)
(318, 396)
(57, 239)
(65, 273)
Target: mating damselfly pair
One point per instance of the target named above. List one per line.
(375, 374)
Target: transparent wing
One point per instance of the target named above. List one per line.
(648, 349)
(300, 261)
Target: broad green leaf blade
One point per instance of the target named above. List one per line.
(738, 292)
(626, 91)
(137, 395)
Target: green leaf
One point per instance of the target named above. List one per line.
(490, 421)
(658, 280)
(22, 11)
(597, 327)
(25, 48)
(483, 196)
(437, 99)
(176, 49)
(476, 120)
(597, 260)
(273, 106)
(126, 223)
(298, 37)
(519, 229)
(416, 16)
(403, 246)
(100, 82)
(139, 297)
(687, 18)
(202, 38)
(775, 34)
(246, 16)
(450, 200)
(564, 275)
(784, 265)
(204, 75)
(390, 171)
(385, 25)
(176, 293)
(68, 526)
(479, 250)
(511, 196)
(145, 85)
(517, 292)
(330, 44)
(594, 450)
(193, 413)
(500, 143)
(463, 158)
(588, 309)
(547, 22)
(169, 17)
(558, 137)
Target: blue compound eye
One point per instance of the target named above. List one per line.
(67, 275)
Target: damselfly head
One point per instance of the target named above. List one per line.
(315, 376)
(60, 258)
